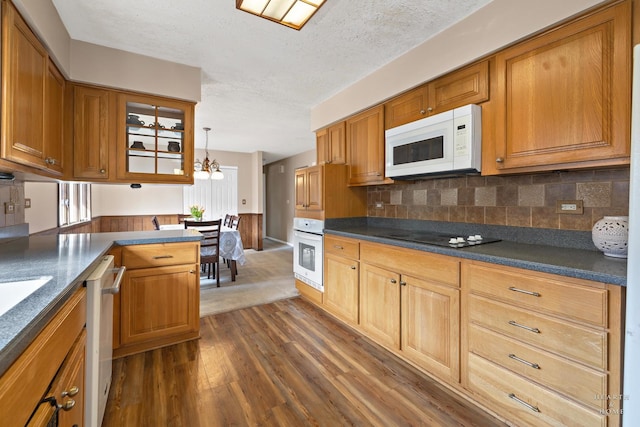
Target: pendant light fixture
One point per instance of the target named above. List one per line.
(207, 169)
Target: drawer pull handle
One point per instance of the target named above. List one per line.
(526, 362)
(522, 291)
(338, 247)
(528, 328)
(162, 256)
(523, 403)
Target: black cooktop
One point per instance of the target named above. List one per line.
(439, 239)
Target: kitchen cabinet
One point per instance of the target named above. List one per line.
(159, 299)
(341, 278)
(52, 363)
(562, 99)
(32, 98)
(93, 116)
(469, 85)
(527, 332)
(154, 139)
(410, 303)
(308, 190)
(321, 192)
(365, 147)
(331, 144)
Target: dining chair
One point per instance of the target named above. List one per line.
(227, 220)
(156, 224)
(234, 222)
(183, 217)
(209, 246)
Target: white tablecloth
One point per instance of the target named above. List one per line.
(230, 242)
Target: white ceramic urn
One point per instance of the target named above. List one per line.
(611, 235)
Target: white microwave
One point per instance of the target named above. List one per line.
(443, 144)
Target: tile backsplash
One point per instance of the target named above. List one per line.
(12, 192)
(517, 200)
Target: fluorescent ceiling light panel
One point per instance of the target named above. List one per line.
(291, 13)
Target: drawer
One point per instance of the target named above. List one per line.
(501, 388)
(543, 367)
(580, 343)
(547, 293)
(418, 264)
(160, 254)
(345, 247)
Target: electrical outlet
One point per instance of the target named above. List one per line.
(572, 207)
(27, 203)
(379, 205)
(9, 208)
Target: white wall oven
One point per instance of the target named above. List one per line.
(308, 251)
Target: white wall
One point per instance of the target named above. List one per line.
(43, 214)
(498, 24)
(115, 199)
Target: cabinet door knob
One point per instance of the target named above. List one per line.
(429, 109)
(353, 267)
(68, 405)
(423, 112)
(192, 271)
(500, 160)
(71, 392)
(403, 283)
(393, 281)
(103, 171)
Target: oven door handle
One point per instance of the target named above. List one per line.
(308, 236)
(116, 283)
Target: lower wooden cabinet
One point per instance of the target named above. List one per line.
(159, 299)
(533, 348)
(542, 349)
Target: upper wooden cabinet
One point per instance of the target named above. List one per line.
(469, 85)
(365, 147)
(308, 191)
(93, 111)
(563, 98)
(331, 144)
(154, 139)
(32, 98)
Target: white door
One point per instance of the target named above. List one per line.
(218, 197)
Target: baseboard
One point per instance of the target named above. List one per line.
(279, 241)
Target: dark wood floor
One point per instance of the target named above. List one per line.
(280, 364)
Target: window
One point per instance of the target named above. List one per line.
(74, 203)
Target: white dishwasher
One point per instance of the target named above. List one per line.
(101, 284)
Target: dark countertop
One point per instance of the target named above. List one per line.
(564, 261)
(68, 258)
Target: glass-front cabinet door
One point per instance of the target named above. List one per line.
(155, 142)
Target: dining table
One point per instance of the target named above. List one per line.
(230, 246)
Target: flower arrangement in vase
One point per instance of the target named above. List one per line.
(196, 212)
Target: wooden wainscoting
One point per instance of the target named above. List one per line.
(134, 222)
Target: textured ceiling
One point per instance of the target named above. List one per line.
(260, 79)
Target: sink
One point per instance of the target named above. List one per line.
(11, 293)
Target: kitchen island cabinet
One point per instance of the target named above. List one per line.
(563, 98)
(28, 379)
(159, 299)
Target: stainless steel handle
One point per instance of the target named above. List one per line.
(116, 282)
(68, 405)
(499, 160)
(523, 403)
(393, 281)
(162, 256)
(71, 392)
(528, 328)
(523, 291)
(526, 362)
(403, 283)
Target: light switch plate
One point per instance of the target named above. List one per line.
(27, 203)
(571, 207)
